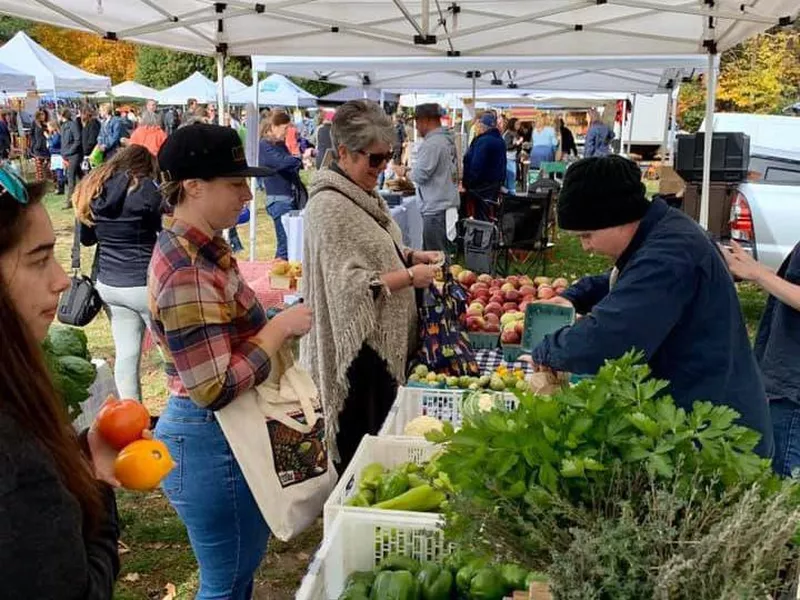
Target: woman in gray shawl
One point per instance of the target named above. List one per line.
(359, 281)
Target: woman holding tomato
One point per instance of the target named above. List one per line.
(217, 344)
(58, 521)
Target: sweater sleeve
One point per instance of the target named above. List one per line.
(88, 235)
(647, 302)
(424, 165)
(587, 292)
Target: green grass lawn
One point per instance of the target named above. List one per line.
(157, 551)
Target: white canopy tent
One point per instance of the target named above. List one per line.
(233, 85)
(52, 74)
(196, 86)
(130, 89)
(275, 90)
(12, 80)
(359, 92)
(580, 29)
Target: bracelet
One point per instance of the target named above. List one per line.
(410, 277)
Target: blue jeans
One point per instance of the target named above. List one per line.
(208, 491)
(277, 206)
(786, 432)
(511, 174)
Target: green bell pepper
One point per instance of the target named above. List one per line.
(487, 584)
(399, 562)
(395, 585)
(435, 582)
(392, 485)
(514, 577)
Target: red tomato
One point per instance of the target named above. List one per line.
(121, 422)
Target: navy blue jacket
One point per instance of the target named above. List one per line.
(778, 340)
(675, 301)
(287, 168)
(485, 165)
(126, 224)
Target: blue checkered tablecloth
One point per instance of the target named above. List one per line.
(490, 360)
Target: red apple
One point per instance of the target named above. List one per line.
(498, 297)
(492, 318)
(510, 336)
(512, 296)
(559, 290)
(529, 298)
(483, 294)
(497, 283)
(519, 327)
(546, 292)
(484, 278)
(541, 280)
(560, 282)
(527, 290)
(510, 307)
(476, 287)
(493, 308)
(524, 304)
(492, 328)
(475, 323)
(513, 280)
(525, 280)
(467, 278)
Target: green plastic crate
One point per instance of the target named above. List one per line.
(483, 341)
(544, 319)
(512, 352)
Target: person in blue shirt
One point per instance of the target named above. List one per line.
(485, 165)
(669, 295)
(544, 143)
(598, 137)
(777, 347)
(54, 147)
(110, 132)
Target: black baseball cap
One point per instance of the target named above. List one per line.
(202, 151)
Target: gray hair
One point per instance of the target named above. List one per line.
(149, 119)
(360, 123)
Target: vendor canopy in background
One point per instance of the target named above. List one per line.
(131, 89)
(418, 27)
(12, 80)
(632, 74)
(196, 86)
(275, 90)
(52, 74)
(233, 85)
(358, 93)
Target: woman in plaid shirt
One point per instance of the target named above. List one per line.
(217, 343)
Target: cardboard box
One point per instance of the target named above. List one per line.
(669, 182)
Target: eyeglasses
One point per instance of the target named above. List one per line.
(376, 160)
(13, 185)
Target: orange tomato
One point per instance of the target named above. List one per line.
(143, 464)
(121, 422)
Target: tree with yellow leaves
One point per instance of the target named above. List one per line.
(89, 51)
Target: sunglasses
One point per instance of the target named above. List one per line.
(376, 160)
(13, 185)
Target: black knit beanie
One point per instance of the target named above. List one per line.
(601, 192)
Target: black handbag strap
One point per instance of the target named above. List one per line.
(76, 253)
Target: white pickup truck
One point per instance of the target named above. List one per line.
(765, 211)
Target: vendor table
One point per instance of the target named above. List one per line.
(407, 216)
(490, 360)
(103, 387)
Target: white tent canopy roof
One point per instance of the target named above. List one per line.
(12, 80)
(359, 92)
(275, 90)
(196, 86)
(52, 74)
(421, 28)
(649, 74)
(233, 85)
(131, 89)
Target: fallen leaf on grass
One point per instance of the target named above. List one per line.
(132, 577)
(171, 592)
(122, 548)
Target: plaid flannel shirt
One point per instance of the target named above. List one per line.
(204, 317)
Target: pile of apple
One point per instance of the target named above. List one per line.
(498, 305)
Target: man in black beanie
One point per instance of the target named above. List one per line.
(669, 295)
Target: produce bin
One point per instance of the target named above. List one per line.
(483, 341)
(390, 452)
(445, 405)
(544, 319)
(359, 541)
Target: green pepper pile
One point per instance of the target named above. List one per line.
(412, 487)
(459, 576)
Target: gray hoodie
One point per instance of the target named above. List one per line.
(435, 172)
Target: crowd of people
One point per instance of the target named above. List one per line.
(670, 294)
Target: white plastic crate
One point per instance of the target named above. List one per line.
(388, 451)
(442, 404)
(358, 542)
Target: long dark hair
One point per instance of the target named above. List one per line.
(29, 396)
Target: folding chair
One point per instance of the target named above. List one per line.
(523, 238)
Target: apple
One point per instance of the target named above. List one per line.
(527, 290)
(525, 280)
(484, 278)
(513, 296)
(475, 309)
(497, 283)
(475, 323)
(492, 318)
(541, 280)
(510, 307)
(559, 290)
(455, 270)
(560, 282)
(529, 298)
(476, 287)
(519, 327)
(492, 327)
(482, 294)
(507, 318)
(493, 308)
(510, 336)
(546, 292)
(498, 297)
(467, 278)
(507, 287)
(513, 280)
(524, 305)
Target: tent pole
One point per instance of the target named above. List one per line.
(252, 138)
(220, 57)
(630, 124)
(382, 99)
(667, 122)
(674, 124)
(623, 125)
(711, 98)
